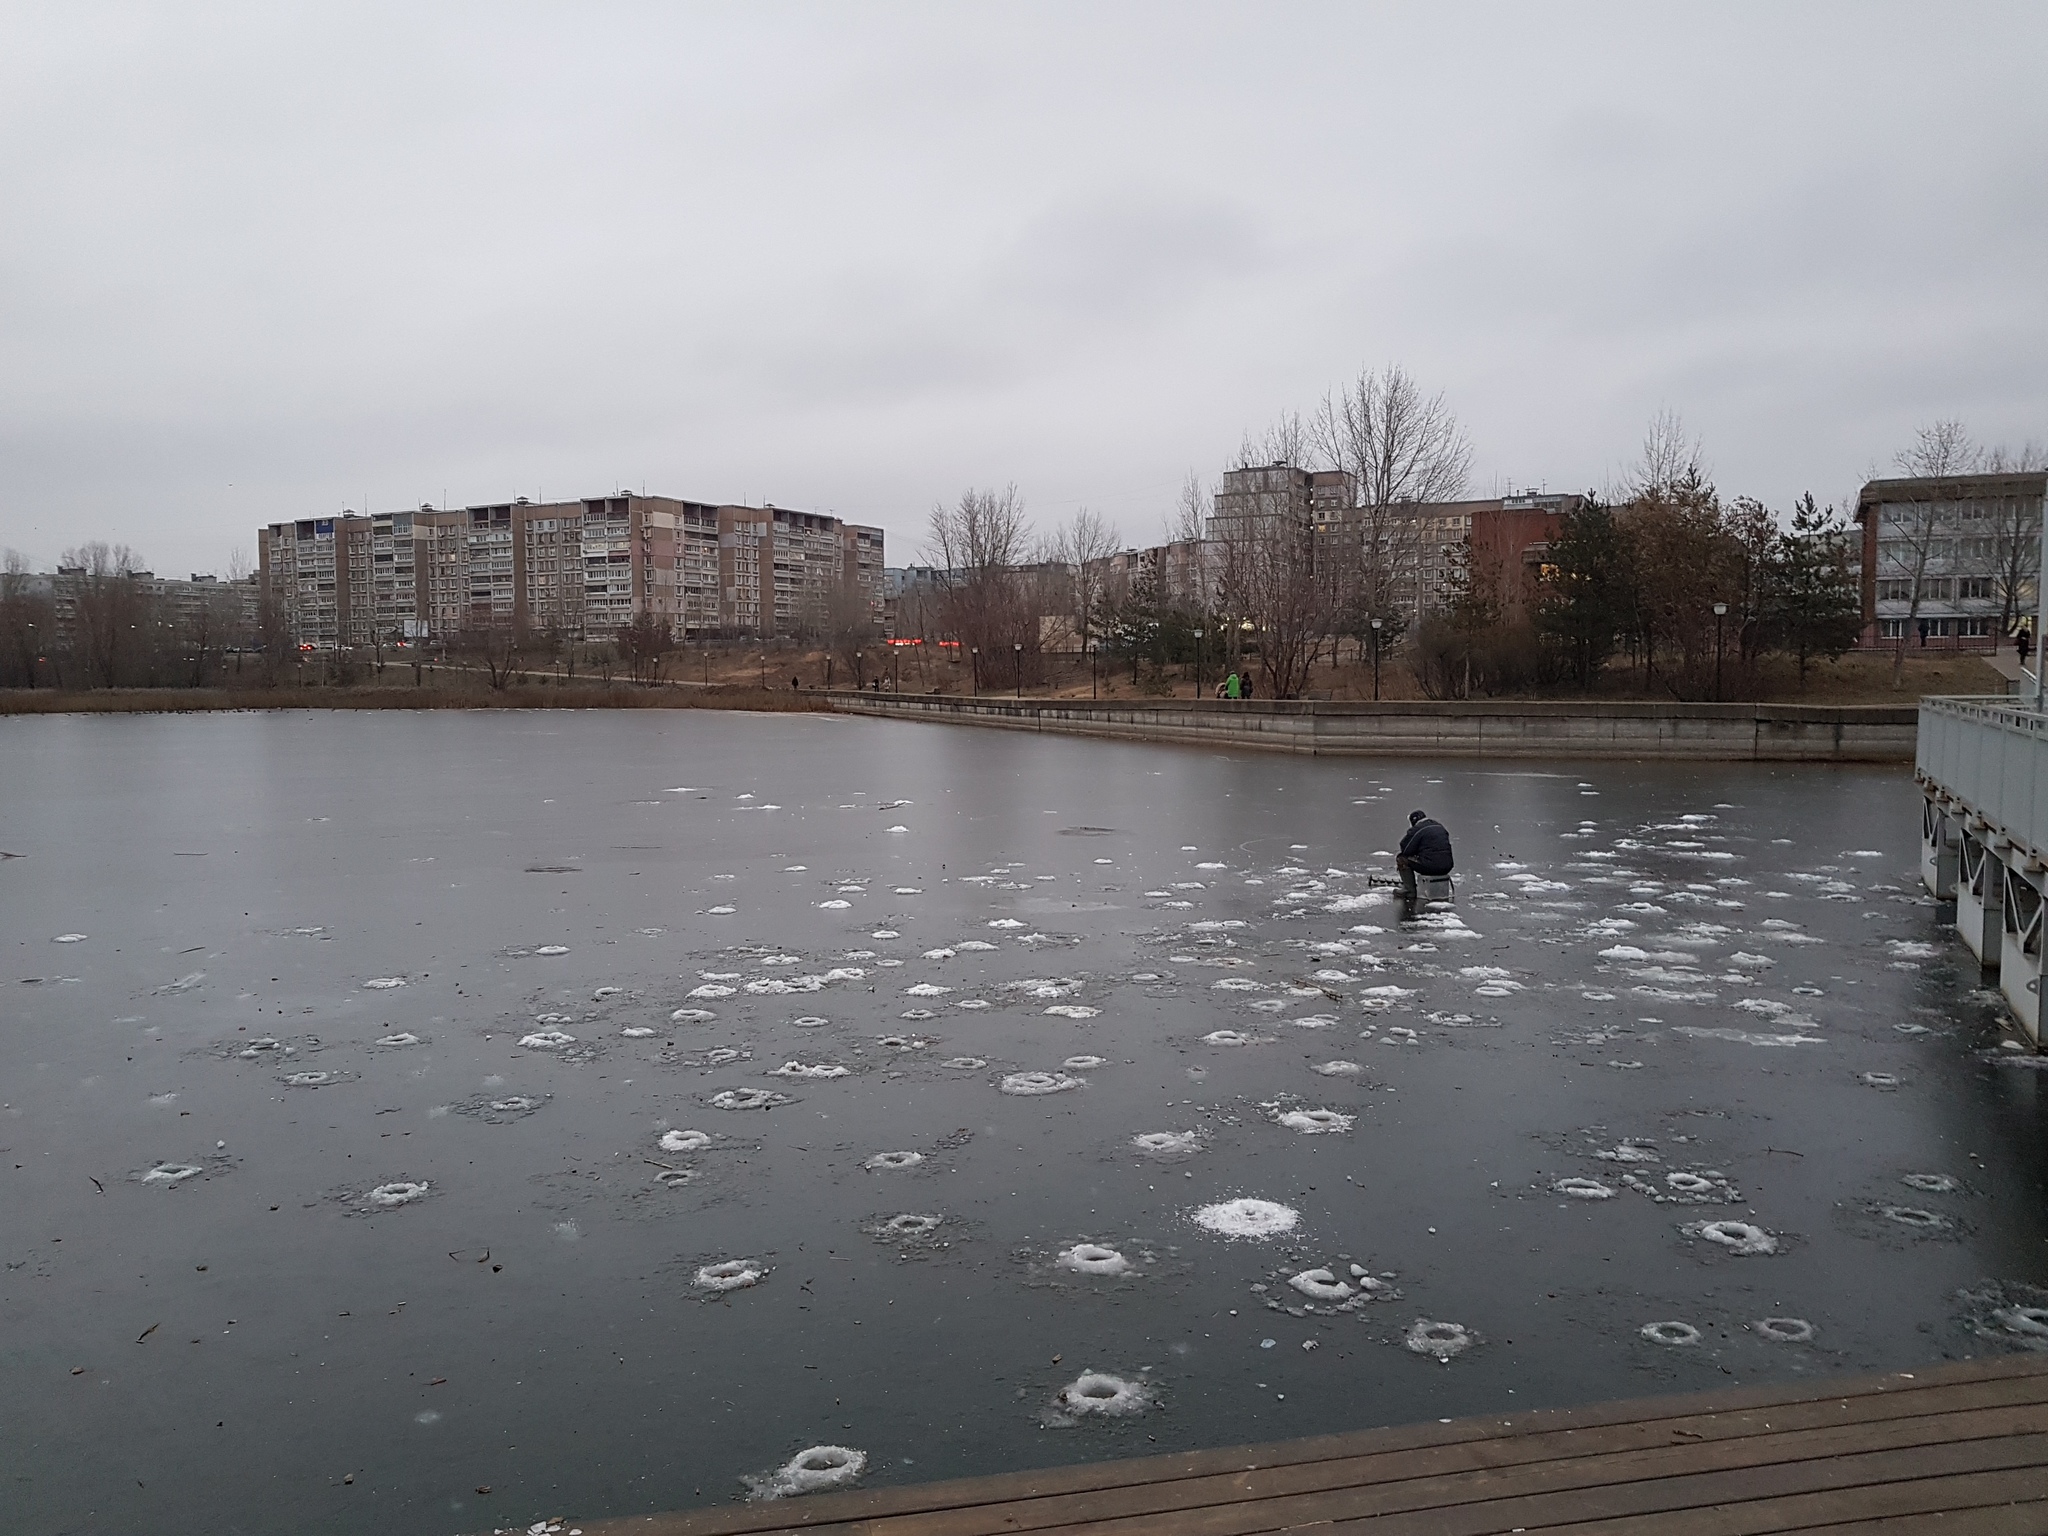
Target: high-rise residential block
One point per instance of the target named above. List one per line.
(573, 569)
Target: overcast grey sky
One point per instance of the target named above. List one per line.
(267, 261)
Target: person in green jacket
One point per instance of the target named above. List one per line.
(1230, 686)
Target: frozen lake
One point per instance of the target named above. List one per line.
(376, 1105)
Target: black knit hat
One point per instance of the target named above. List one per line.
(1414, 817)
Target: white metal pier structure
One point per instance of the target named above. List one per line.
(1982, 763)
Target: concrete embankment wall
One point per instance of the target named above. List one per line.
(1723, 732)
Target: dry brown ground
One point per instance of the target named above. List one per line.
(735, 680)
(1859, 678)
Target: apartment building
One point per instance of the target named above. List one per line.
(1967, 546)
(1255, 497)
(223, 612)
(1506, 537)
(579, 569)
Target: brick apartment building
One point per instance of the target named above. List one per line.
(1970, 543)
(580, 569)
(1508, 537)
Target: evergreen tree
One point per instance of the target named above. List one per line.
(1584, 604)
(1816, 606)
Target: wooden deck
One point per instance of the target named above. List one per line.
(1957, 1448)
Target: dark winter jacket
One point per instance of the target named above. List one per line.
(1427, 848)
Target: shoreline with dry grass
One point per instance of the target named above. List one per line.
(141, 701)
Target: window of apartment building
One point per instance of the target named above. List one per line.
(1973, 588)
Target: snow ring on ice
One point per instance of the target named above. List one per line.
(1248, 1218)
(811, 1471)
(711, 989)
(1690, 1183)
(403, 1037)
(1786, 1330)
(964, 1063)
(2032, 1322)
(1167, 1143)
(1742, 1238)
(1913, 1216)
(1031, 1084)
(883, 1162)
(1673, 1333)
(1441, 1341)
(402, 1192)
(692, 1016)
(1093, 1259)
(1072, 1011)
(729, 1275)
(1321, 1285)
(1226, 1037)
(382, 983)
(552, 949)
(909, 1225)
(798, 1069)
(547, 1040)
(1081, 1063)
(171, 1173)
(1097, 1392)
(1931, 1183)
(1885, 1080)
(1317, 1122)
(1338, 1069)
(684, 1141)
(747, 1098)
(309, 1079)
(1583, 1189)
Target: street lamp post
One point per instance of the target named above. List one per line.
(974, 658)
(1720, 613)
(1198, 663)
(1089, 647)
(1017, 648)
(1376, 623)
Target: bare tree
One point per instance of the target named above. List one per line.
(1269, 577)
(1921, 532)
(1399, 449)
(1672, 465)
(979, 542)
(848, 626)
(109, 610)
(28, 621)
(1190, 521)
(1082, 545)
(2015, 535)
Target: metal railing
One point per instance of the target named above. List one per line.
(1990, 753)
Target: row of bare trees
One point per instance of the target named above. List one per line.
(103, 622)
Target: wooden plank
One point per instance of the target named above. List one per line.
(1730, 1503)
(1546, 1432)
(2023, 1519)
(1445, 1477)
(1209, 1504)
(1914, 1506)
(1756, 1437)
(1459, 1500)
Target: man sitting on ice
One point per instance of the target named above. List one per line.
(1426, 850)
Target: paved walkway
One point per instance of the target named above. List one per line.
(1962, 1449)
